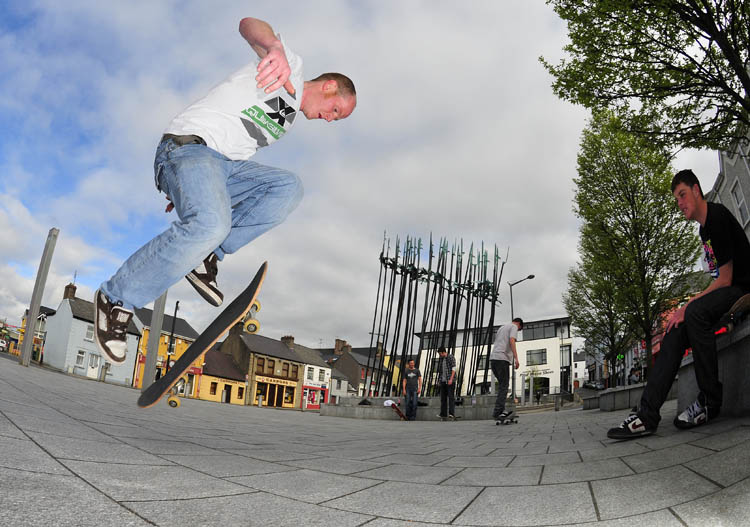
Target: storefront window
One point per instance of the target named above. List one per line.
(288, 395)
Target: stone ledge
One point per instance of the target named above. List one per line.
(734, 363)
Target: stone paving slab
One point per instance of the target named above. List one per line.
(78, 452)
(538, 505)
(729, 506)
(305, 485)
(133, 482)
(32, 499)
(649, 492)
(258, 508)
(404, 501)
(727, 467)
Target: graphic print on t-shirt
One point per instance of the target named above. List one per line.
(710, 258)
(272, 122)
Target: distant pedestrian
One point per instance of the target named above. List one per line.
(503, 353)
(538, 396)
(412, 385)
(446, 376)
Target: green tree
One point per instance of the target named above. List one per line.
(592, 304)
(633, 237)
(676, 71)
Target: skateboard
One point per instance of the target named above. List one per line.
(398, 411)
(510, 418)
(736, 314)
(232, 314)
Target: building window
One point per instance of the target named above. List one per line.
(270, 367)
(285, 370)
(363, 373)
(482, 362)
(260, 364)
(295, 372)
(565, 355)
(321, 375)
(89, 334)
(213, 388)
(739, 202)
(80, 358)
(240, 392)
(310, 373)
(338, 384)
(536, 357)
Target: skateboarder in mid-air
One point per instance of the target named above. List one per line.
(727, 253)
(222, 199)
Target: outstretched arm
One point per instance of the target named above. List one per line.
(273, 69)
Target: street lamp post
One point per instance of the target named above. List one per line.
(513, 366)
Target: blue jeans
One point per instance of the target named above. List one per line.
(221, 206)
(411, 404)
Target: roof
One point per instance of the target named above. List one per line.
(43, 310)
(338, 374)
(270, 347)
(84, 310)
(181, 326)
(222, 365)
(360, 355)
(310, 356)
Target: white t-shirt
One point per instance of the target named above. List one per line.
(501, 349)
(236, 117)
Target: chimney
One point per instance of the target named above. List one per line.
(379, 351)
(288, 340)
(339, 347)
(347, 348)
(70, 291)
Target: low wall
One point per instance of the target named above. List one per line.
(734, 365)
(481, 409)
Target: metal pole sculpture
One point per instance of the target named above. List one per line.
(454, 310)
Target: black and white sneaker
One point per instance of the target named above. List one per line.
(111, 325)
(630, 428)
(203, 279)
(694, 415)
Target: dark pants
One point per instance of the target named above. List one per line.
(696, 331)
(447, 399)
(501, 370)
(411, 404)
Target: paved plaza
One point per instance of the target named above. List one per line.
(79, 452)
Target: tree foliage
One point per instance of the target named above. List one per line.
(635, 245)
(677, 71)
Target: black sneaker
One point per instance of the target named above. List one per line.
(203, 279)
(630, 428)
(111, 324)
(695, 415)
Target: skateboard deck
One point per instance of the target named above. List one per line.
(398, 411)
(736, 314)
(510, 418)
(232, 314)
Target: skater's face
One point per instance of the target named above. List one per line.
(687, 200)
(411, 364)
(323, 101)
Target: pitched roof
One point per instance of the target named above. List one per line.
(270, 347)
(84, 310)
(222, 365)
(310, 356)
(181, 326)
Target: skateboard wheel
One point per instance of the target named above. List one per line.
(252, 326)
(255, 307)
(173, 401)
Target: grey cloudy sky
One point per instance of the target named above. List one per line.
(456, 133)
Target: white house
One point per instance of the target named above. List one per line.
(70, 345)
(316, 376)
